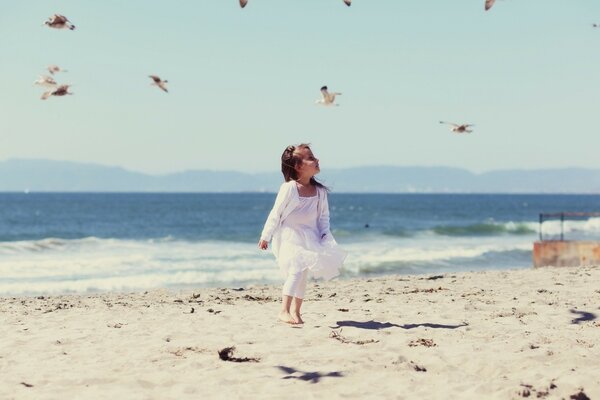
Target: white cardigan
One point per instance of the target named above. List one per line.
(287, 200)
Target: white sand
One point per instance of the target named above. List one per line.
(501, 334)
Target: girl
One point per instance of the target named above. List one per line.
(299, 227)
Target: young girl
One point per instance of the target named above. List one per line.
(299, 227)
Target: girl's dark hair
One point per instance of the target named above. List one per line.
(290, 160)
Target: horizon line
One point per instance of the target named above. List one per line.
(158, 174)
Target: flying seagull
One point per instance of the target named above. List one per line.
(59, 22)
(244, 2)
(62, 90)
(456, 128)
(45, 80)
(159, 82)
(53, 69)
(328, 98)
(489, 4)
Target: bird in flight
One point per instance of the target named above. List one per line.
(159, 82)
(53, 69)
(244, 2)
(59, 22)
(45, 80)
(595, 25)
(489, 4)
(62, 90)
(456, 128)
(328, 98)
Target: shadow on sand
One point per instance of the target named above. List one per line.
(312, 377)
(584, 316)
(375, 325)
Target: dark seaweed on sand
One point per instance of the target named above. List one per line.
(226, 354)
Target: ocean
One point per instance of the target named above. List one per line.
(57, 243)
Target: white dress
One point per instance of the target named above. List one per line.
(300, 246)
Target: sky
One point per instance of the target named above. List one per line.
(243, 83)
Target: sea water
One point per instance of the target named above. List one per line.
(53, 243)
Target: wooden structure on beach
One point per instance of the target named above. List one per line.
(565, 253)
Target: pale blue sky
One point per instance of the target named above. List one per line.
(243, 83)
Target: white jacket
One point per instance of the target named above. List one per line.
(287, 200)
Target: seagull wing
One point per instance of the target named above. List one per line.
(49, 80)
(325, 94)
(243, 3)
(449, 123)
(46, 95)
(489, 4)
(348, 2)
(155, 78)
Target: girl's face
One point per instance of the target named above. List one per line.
(309, 165)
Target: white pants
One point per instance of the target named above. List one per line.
(295, 284)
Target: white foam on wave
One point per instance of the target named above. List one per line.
(31, 246)
(94, 264)
(589, 226)
(419, 251)
(134, 282)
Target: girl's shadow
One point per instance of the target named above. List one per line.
(375, 325)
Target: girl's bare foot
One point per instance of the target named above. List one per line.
(286, 317)
(297, 318)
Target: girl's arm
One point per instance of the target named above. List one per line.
(323, 222)
(275, 215)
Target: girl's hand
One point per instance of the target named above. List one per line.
(263, 245)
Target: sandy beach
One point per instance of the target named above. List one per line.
(493, 335)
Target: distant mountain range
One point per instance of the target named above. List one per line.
(19, 175)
